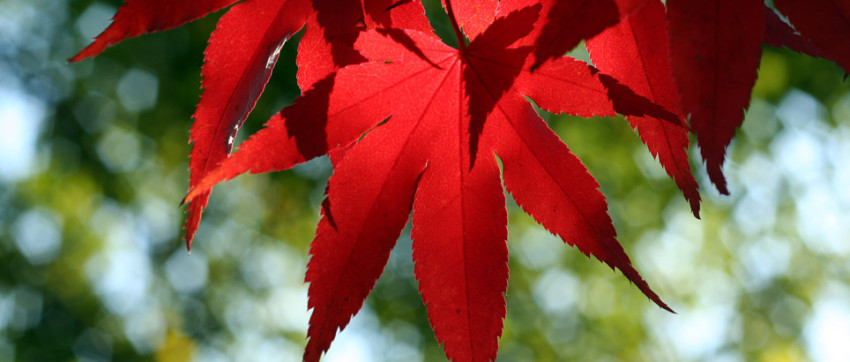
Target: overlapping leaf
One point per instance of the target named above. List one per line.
(413, 125)
(333, 26)
(137, 17)
(715, 48)
(636, 52)
(431, 147)
(777, 33)
(567, 22)
(826, 23)
(233, 79)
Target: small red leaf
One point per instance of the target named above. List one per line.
(715, 47)
(137, 17)
(825, 22)
(571, 86)
(552, 185)
(349, 254)
(233, 79)
(567, 86)
(636, 52)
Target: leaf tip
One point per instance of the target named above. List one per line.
(78, 57)
(96, 47)
(715, 174)
(312, 353)
(695, 205)
(654, 297)
(721, 187)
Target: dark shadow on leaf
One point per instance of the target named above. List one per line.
(341, 23)
(486, 85)
(629, 103)
(310, 111)
(507, 30)
(570, 22)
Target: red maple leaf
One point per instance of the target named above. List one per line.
(421, 125)
(568, 22)
(716, 50)
(778, 33)
(233, 76)
(825, 23)
(636, 52)
(233, 79)
(137, 17)
(413, 125)
(242, 53)
(333, 27)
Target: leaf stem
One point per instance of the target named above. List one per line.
(461, 43)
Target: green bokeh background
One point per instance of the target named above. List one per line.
(94, 164)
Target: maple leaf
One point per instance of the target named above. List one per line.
(413, 125)
(233, 79)
(826, 23)
(235, 76)
(715, 48)
(778, 33)
(421, 125)
(333, 27)
(566, 22)
(136, 17)
(636, 52)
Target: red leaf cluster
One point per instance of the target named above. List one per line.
(416, 126)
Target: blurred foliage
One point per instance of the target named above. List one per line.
(93, 268)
